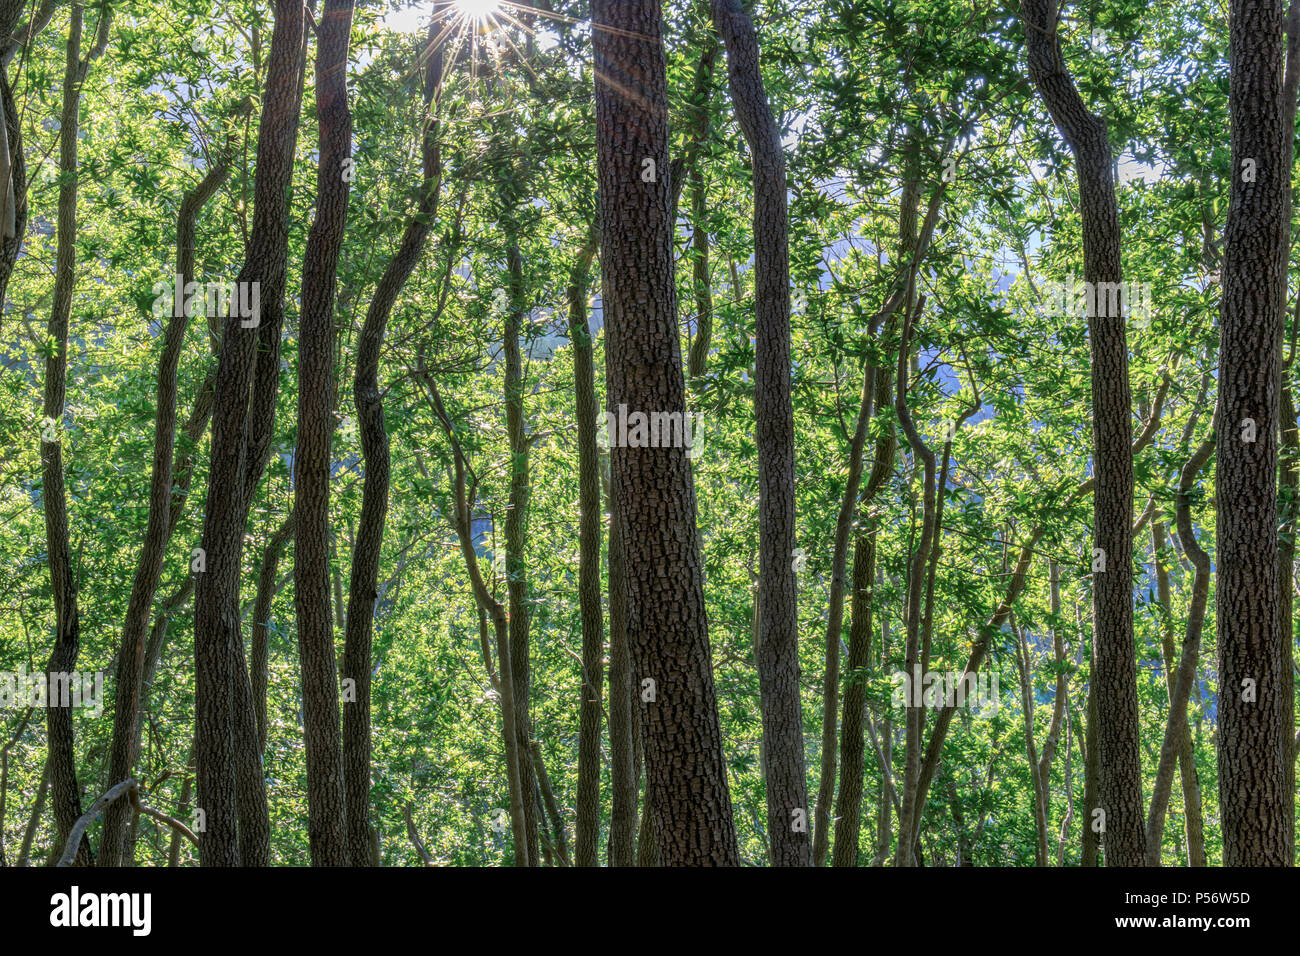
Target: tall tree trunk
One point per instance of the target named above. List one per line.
(1252, 753)
(911, 808)
(364, 582)
(158, 532)
(586, 848)
(778, 605)
(226, 756)
(625, 770)
(848, 806)
(653, 492)
(317, 391)
(516, 533)
(65, 796)
(1114, 667)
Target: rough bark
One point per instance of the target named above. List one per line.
(1252, 752)
(778, 619)
(317, 388)
(228, 769)
(586, 840)
(1114, 667)
(653, 492)
(625, 771)
(158, 531)
(65, 796)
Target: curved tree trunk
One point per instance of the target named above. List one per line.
(778, 605)
(226, 757)
(65, 796)
(364, 581)
(158, 533)
(1114, 667)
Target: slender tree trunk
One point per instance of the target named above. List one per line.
(516, 763)
(226, 757)
(586, 849)
(366, 552)
(65, 795)
(625, 769)
(516, 533)
(1114, 667)
(158, 532)
(1252, 752)
(1180, 682)
(34, 819)
(848, 806)
(778, 618)
(653, 492)
(317, 391)
(1091, 783)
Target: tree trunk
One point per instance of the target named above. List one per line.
(317, 388)
(226, 758)
(653, 492)
(625, 771)
(586, 841)
(778, 618)
(1114, 667)
(1253, 774)
(65, 795)
(366, 552)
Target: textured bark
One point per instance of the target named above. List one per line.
(364, 582)
(226, 756)
(1114, 667)
(1252, 752)
(259, 652)
(911, 809)
(158, 531)
(778, 619)
(697, 361)
(848, 805)
(317, 393)
(1289, 476)
(653, 493)
(586, 839)
(1177, 735)
(625, 770)
(65, 796)
(516, 534)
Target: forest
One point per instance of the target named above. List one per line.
(790, 433)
